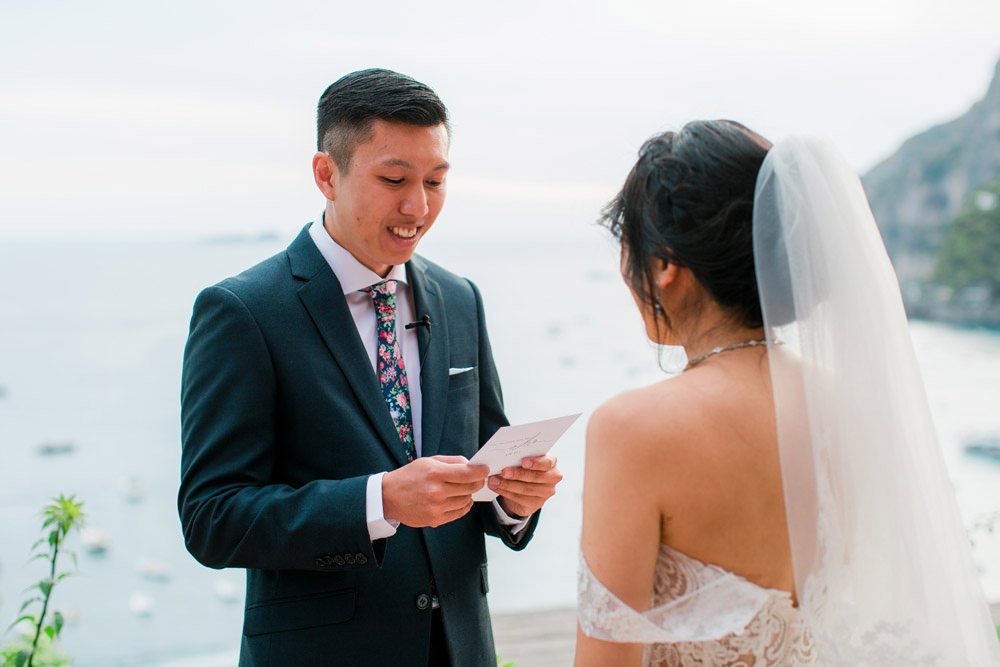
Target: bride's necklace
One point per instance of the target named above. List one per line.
(694, 361)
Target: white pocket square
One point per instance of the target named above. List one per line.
(456, 371)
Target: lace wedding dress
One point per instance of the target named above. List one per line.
(701, 615)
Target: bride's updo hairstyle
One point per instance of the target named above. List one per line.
(689, 201)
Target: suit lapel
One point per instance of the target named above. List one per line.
(433, 345)
(323, 297)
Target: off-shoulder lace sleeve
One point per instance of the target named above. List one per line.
(716, 604)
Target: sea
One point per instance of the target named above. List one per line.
(91, 336)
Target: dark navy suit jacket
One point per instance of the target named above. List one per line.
(283, 421)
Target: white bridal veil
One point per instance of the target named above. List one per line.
(883, 566)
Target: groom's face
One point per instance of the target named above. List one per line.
(391, 195)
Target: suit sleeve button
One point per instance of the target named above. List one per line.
(338, 560)
(350, 559)
(423, 601)
(362, 559)
(320, 561)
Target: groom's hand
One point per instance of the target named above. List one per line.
(524, 490)
(431, 491)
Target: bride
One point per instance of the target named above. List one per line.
(783, 500)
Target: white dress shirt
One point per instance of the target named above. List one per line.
(355, 276)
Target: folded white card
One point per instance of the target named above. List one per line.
(510, 444)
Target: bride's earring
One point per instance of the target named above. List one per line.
(660, 315)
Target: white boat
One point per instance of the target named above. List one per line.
(227, 591)
(95, 541)
(153, 570)
(56, 448)
(141, 604)
(988, 447)
(132, 489)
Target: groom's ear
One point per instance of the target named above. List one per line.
(325, 174)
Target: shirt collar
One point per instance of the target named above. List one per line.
(352, 274)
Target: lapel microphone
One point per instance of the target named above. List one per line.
(424, 321)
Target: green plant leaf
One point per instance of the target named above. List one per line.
(27, 603)
(30, 588)
(57, 621)
(50, 631)
(45, 586)
(26, 617)
(65, 512)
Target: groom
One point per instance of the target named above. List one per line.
(330, 399)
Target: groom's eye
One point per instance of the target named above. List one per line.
(392, 181)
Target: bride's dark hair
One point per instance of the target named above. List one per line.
(689, 201)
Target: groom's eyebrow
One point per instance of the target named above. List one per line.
(399, 162)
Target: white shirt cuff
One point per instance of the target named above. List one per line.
(517, 525)
(378, 526)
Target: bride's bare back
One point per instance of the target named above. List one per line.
(720, 487)
(690, 462)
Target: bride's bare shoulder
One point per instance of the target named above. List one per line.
(647, 420)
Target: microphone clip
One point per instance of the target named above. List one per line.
(424, 321)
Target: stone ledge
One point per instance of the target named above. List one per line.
(536, 638)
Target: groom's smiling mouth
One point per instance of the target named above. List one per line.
(404, 232)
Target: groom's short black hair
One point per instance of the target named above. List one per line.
(351, 104)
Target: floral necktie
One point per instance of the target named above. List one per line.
(390, 368)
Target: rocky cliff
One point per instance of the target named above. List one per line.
(916, 196)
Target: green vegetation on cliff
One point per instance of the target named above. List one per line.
(935, 203)
(970, 253)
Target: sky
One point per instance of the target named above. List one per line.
(132, 119)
